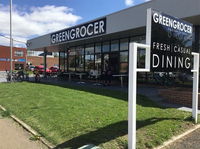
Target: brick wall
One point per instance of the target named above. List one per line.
(5, 57)
(177, 96)
(39, 60)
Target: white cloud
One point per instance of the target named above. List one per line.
(36, 21)
(129, 2)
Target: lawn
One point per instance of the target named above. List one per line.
(72, 116)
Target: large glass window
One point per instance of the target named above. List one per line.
(66, 61)
(106, 47)
(89, 58)
(114, 62)
(115, 45)
(124, 62)
(98, 57)
(71, 59)
(124, 44)
(80, 59)
(141, 58)
(138, 39)
(105, 61)
(62, 61)
(98, 48)
(141, 52)
(98, 63)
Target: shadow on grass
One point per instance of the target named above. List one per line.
(90, 88)
(107, 133)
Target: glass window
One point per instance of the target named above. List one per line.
(115, 45)
(141, 58)
(98, 48)
(114, 62)
(138, 39)
(124, 44)
(19, 53)
(106, 47)
(89, 49)
(71, 59)
(62, 61)
(105, 61)
(98, 63)
(124, 56)
(89, 58)
(80, 59)
(123, 68)
(66, 62)
(124, 62)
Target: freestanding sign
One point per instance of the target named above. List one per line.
(171, 43)
(168, 49)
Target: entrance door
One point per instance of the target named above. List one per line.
(114, 62)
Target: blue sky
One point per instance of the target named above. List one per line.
(32, 18)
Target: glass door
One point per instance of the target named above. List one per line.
(114, 62)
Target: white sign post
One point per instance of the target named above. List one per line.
(132, 89)
(195, 86)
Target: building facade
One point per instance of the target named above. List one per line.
(104, 42)
(19, 58)
(38, 60)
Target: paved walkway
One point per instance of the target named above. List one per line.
(191, 141)
(12, 136)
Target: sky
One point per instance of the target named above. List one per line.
(32, 18)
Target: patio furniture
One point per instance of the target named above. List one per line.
(121, 76)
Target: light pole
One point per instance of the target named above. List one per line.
(11, 41)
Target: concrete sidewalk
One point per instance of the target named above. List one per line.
(190, 141)
(13, 136)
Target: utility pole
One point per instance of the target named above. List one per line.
(11, 42)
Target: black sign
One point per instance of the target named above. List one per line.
(171, 43)
(90, 29)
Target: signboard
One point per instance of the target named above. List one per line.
(21, 60)
(3, 59)
(171, 42)
(90, 29)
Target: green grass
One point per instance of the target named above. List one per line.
(72, 116)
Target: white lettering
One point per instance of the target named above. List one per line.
(158, 60)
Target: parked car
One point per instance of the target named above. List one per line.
(54, 69)
(40, 69)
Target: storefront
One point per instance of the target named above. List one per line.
(103, 43)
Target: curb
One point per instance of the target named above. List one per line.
(29, 129)
(175, 138)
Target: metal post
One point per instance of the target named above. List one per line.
(132, 96)
(195, 86)
(45, 63)
(132, 89)
(11, 41)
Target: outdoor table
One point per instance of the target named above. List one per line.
(96, 79)
(80, 76)
(69, 74)
(121, 77)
